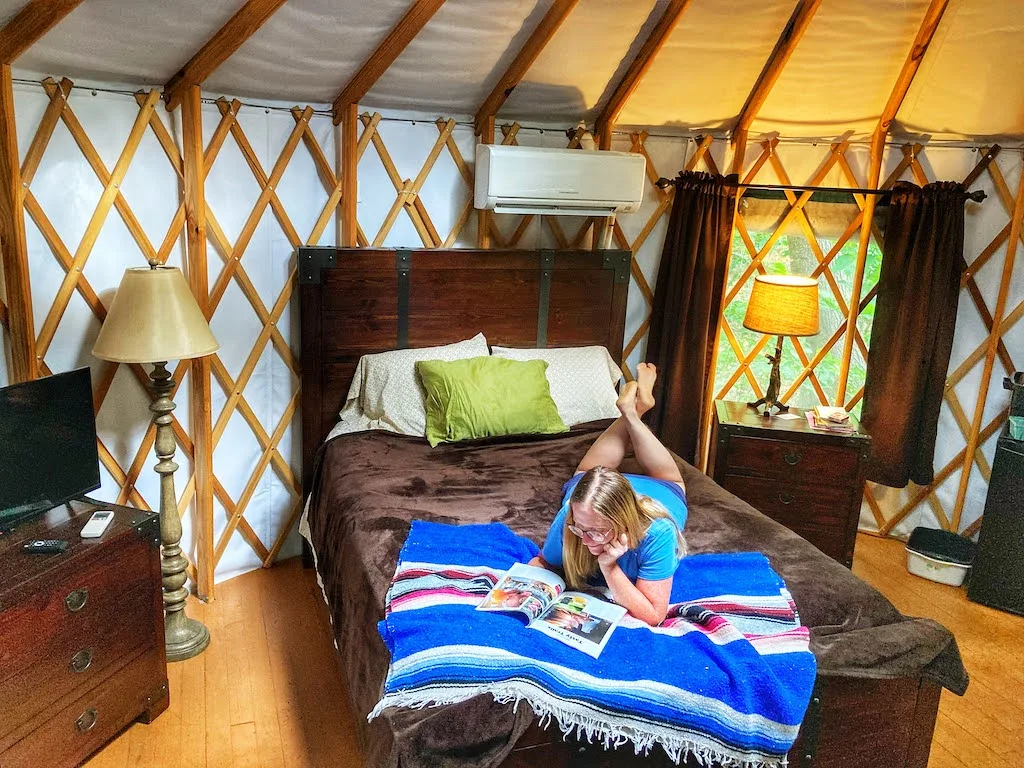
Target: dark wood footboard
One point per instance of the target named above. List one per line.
(855, 723)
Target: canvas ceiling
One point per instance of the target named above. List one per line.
(971, 83)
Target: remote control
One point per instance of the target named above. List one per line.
(97, 524)
(45, 547)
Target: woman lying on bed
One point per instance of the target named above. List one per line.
(626, 530)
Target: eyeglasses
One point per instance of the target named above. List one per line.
(598, 537)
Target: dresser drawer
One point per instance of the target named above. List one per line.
(71, 637)
(66, 737)
(799, 462)
(78, 659)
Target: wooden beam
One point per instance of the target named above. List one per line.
(557, 13)
(924, 36)
(925, 33)
(349, 175)
(391, 47)
(784, 47)
(21, 327)
(483, 217)
(636, 71)
(998, 315)
(867, 218)
(200, 406)
(31, 23)
(218, 48)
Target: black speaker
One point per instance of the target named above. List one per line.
(997, 579)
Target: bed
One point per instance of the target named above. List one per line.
(880, 674)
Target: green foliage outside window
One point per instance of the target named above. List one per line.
(792, 254)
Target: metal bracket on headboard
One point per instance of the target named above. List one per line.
(311, 261)
(547, 263)
(810, 730)
(619, 261)
(403, 264)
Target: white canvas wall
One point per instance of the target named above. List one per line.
(67, 189)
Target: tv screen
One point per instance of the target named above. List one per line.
(47, 443)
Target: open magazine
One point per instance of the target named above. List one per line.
(577, 619)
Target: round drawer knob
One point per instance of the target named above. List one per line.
(77, 599)
(82, 660)
(786, 498)
(792, 458)
(87, 720)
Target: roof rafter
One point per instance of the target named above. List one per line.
(228, 39)
(784, 47)
(924, 37)
(391, 47)
(925, 33)
(557, 13)
(637, 69)
(31, 23)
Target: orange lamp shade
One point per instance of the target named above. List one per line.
(783, 305)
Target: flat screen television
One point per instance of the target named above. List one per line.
(48, 449)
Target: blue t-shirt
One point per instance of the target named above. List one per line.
(656, 556)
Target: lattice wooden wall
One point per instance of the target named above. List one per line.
(887, 507)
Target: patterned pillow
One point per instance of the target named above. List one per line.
(386, 392)
(582, 380)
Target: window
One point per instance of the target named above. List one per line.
(821, 241)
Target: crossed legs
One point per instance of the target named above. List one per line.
(610, 448)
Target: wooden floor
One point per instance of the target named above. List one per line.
(267, 691)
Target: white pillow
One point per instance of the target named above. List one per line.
(582, 380)
(386, 392)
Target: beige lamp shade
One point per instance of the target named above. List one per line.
(154, 318)
(783, 305)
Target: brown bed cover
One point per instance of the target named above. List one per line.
(369, 486)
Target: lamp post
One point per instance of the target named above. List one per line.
(781, 305)
(154, 318)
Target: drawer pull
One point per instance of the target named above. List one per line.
(786, 498)
(792, 458)
(76, 600)
(82, 660)
(87, 720)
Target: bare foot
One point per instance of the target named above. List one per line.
(627, 401)
(646, 375)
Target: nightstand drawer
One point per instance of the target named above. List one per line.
(66, 737)
(799, 462)
(793, 505)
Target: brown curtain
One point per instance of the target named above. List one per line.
(687, 299)
(912, 334)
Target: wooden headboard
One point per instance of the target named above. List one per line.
(355, 301)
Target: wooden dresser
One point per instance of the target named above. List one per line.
(81, 636)
(812, 482)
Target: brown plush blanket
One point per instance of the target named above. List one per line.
(370, 485)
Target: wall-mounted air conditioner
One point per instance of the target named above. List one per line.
(563, 182)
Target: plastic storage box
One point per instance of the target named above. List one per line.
(941, 556)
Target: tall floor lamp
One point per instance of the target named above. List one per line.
(154, 318)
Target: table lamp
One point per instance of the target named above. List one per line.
(154, 318)
(782, 305)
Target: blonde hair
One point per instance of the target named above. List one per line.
(610, 495)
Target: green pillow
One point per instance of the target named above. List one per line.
(487, 397)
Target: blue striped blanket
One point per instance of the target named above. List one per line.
(726, 677)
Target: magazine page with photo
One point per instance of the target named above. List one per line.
(525, 589)
(580, 620)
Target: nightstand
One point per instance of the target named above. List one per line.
(812, 482)
(82, 651)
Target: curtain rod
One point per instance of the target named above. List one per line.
(977, 195)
